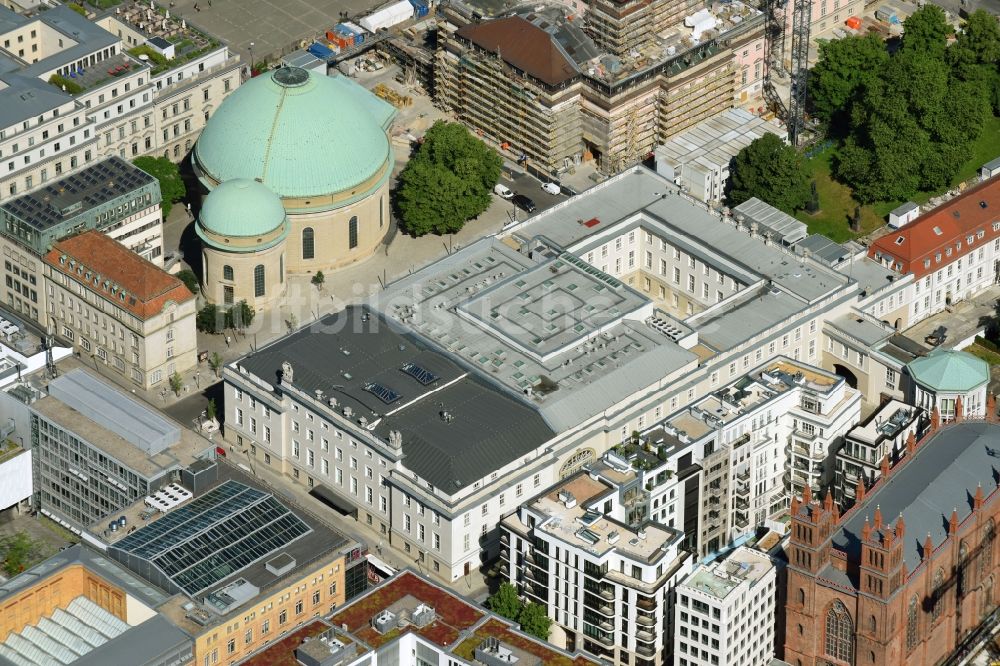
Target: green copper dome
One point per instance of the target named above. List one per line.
(949, 371)
(300, 133)
(241, 208)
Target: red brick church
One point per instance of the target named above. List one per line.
(911, 570)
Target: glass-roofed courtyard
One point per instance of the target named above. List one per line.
(216, 535)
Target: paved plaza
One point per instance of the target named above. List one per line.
(275, 27)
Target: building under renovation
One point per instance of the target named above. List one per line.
(554, 89)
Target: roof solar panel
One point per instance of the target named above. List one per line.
(383, 393)
(422, 375)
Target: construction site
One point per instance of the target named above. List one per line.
(554, 90)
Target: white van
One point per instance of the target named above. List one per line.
(502, 191)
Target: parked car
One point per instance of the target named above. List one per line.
(524, 203)
(503, 191)
(551, 188)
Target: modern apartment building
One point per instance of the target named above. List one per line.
(877, 443)
(75, 90)
(111, 196)
(613, 100)
(121, 310)
(589, 551)
(725, 612)
(518, 360)
(756, 440)
(96, 451)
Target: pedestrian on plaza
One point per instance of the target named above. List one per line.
(227, 340)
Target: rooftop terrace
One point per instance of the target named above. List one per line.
(721, 578)
(571, 518)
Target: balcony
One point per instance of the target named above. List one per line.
(743, 490)
(646, 604)
(742, 504)
(645, 636)
(504, 554)
(645, 620)
(504, 539)
(806, 436)
(743, 476)
(645, 650)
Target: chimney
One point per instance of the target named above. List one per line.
(959, 411)
(953, 522)
(928, 546)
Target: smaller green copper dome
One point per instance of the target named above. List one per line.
(950, 371)
(241, 208)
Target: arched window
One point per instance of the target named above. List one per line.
(258, 280)
(227, 272)
(381, 211)
(938, 592)
(281, 268)
(872, 624)
(986, 556)
(963, 569)
(912, 624)
(802, 596)
(839, 633)
(308, 244)
(576, 462)
(352, 232)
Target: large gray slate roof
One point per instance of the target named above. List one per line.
(340, 354)
(943, 475)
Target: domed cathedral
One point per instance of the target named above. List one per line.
(243, 228)
(321, 146)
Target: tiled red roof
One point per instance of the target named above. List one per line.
(949, 226)
(523, 45)
(109, 268)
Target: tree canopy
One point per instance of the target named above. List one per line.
(844, 67)
(448, 181)
(535, 621)
(190, 280)
(505, 602)
(914, 120)
(770, 170)
(172, 187)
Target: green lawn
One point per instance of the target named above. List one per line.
(837, 203)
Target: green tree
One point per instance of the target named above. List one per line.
(505, 602)
(845, 66)
(534, 621)
(240, 315)
(215, 362)
(209, 319)
(210, 410)
(926, 31)
(318, 279)
(17, 550)
(189, 279)
(448, 181)
(912, 129)
(771, 171)
(975, 55)
(176, 383)
(171, 185)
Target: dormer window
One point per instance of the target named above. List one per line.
(899, 241)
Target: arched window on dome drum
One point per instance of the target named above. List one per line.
(352, 232)
(308, 243)
(839, 642)
(381, 211)
(281, 268)
(258, 280)
(227, 272)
